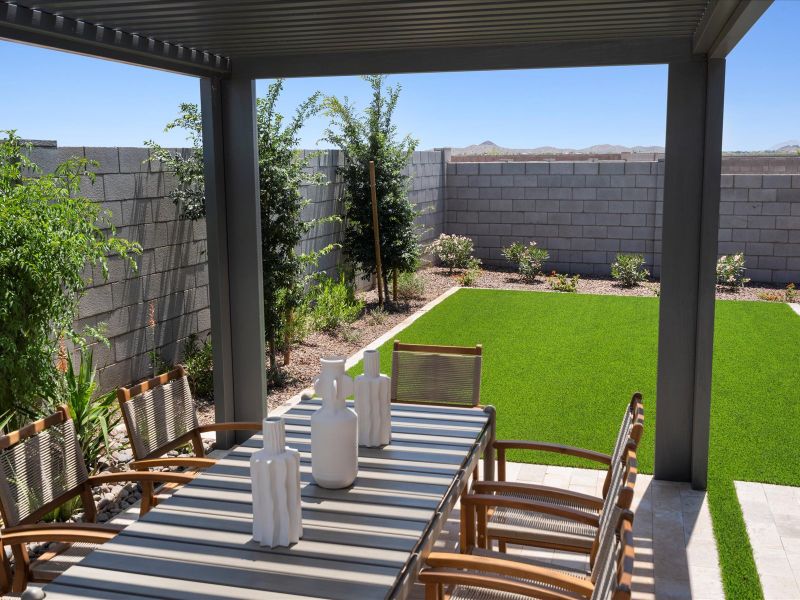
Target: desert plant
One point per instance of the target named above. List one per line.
(199, 361)
(563, 282)
(453, 251)
(365, 137)
(333, 304)
(94, 415)
(50, 238)
(791, 293)
(471, 273)
(731, 270)
(628, 270)
(410, 286)
(771, 296)
(529, 259)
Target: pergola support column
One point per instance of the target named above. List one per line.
(688, 274)
(233, 218)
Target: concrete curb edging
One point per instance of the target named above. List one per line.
(375, 344)
(795, 307)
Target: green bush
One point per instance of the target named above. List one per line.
(471, 273)
(627, 269)
(563, 283)
(51, 240)
(529, 259)
(730, 271)
(410, 286)
(199, 362)
(453, 251)
(333, 304)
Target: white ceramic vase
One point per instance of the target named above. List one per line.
(334, 430)
(373, 405)
(332, 368)
(275, 473)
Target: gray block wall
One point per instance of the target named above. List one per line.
(584, 213)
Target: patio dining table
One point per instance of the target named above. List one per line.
(365, 541)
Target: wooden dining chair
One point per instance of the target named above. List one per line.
(41, 468)
(520, 520)
(472, 577)
(160, 415)
(443, 375)
(628, 438)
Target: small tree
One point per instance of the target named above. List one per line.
(50, 237)
(282, 171)
(372, 136)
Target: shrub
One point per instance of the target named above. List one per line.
(94, 416)
(529, 259)
(730, 271)
(410, 286)
(453, 251)
(627, 269)
(563, 283)
(791, 293)
(372, 136)
(471, 274)
(771, 296)
(333, 304)
(199, 362)
(51, 237)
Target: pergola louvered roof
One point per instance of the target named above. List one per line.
(266, 37)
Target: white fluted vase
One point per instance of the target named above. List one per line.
(373, 404)
(334, 438)
(275, 473)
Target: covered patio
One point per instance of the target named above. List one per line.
(229, 45)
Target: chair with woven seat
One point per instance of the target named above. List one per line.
(527, 522)
(628, 438)
(160, 416)
(472, 577)
(41, 468)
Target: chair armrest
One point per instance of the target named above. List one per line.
(491, 500)
(543, 491)
(503, 445)
(151, 476)
(494, 567)
(196, 463)
(89, 533)
(240, 426)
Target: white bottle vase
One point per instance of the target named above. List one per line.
(373, 405)
(332, 367)
(334, 439)
(275, 473)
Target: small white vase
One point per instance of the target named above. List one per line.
(334, 439)
(373, 404)
(275, 473)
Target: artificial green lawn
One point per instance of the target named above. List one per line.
(561, 367)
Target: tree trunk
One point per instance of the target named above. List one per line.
(394, 285)
(287, 339)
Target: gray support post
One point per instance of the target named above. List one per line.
(689, 253)
(230, 156)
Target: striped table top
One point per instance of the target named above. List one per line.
(361, 542)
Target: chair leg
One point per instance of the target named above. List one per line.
(433, 591)
(22, 568)
(5, 571)
(502, 546)
(148, 498)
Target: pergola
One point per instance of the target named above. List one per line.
(229, 44)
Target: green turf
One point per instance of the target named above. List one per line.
(560, 368)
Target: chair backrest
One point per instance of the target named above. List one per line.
(615, 573)
(41, 467)
(630, 431)
(159, 414)
(618, 500)
(425, 374)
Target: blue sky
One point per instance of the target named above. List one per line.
(88, 102)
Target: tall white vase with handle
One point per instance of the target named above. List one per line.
(275, 473)
(373, 405)
(334, 430)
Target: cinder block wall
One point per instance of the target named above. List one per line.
(584, 213)
(172, 272)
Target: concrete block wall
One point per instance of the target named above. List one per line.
(584, 213)
(171, 273)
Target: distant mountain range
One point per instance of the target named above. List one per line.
(490, 148)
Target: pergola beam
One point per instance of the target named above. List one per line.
(469, 58)
(724, 24)
(29, 26)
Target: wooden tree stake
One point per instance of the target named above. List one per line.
(375, 231)
(394, 285)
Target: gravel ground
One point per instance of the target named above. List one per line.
(304, 364)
